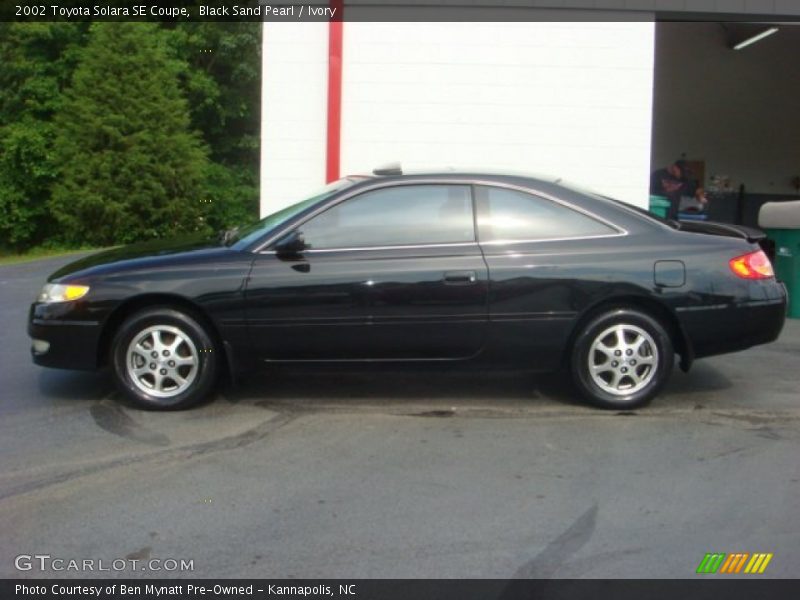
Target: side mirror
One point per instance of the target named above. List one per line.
(292, 244)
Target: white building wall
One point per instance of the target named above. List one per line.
(572, 100)
(293, 111)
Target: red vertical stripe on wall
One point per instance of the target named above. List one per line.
(334, 134)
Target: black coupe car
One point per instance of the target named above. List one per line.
(506, 270)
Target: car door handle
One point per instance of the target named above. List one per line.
(460, 278)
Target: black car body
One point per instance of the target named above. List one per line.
(506, 270)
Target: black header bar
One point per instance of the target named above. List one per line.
(282, 11)
(704, 587)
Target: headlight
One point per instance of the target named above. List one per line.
(59, 292)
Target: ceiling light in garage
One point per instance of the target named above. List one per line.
(754, 38)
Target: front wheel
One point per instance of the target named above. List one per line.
(164, 359)
(622, 359)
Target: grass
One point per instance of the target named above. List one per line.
(9, 257)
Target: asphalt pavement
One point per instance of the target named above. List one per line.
(389, 473)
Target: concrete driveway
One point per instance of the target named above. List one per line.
(316, 473)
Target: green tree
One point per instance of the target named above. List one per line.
(216, 65)
(26, 173)
(222, 80)
(130, 167)
(223, 84)
(36, 63)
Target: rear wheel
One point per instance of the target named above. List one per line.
(164, 359)
(622, 359)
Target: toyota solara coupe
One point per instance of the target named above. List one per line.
(499, 270)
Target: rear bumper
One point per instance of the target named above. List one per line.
(64, 344)
(730, 328)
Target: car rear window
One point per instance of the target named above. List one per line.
(511, 215)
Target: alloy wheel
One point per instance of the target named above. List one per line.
(623, 359)
(162, 361)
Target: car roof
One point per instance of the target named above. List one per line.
(546, 184)
(395, 170)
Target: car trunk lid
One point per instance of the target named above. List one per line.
(751, 234)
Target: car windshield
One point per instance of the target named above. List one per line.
(240, 239)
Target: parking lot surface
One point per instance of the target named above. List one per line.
(389, 473)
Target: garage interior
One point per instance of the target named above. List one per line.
(732, 113)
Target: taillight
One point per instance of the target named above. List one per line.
(755, 265)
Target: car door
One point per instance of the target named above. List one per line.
(391, 273)
(546, 261)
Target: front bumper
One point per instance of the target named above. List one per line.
(70, 344)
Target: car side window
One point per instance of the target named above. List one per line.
(397, 216)
(511, 215)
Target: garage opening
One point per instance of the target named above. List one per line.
(731, 113)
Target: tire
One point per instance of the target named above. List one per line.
(164, 359)
(621, 359)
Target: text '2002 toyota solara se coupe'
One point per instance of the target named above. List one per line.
(505, 270)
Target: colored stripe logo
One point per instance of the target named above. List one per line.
(738, 562)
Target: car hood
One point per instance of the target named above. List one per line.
(140, 255)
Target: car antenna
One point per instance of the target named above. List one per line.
(393, 168)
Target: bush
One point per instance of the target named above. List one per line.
(26, 172)
(232, 196)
